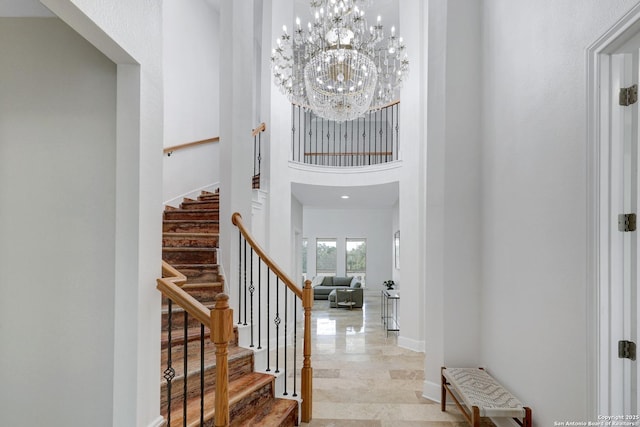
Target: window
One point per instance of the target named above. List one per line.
(356, 252)
(326, 257)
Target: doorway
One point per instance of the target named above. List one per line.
(613, 71)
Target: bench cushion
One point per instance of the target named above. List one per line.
(477, 388)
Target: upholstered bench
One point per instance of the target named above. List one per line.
(482, 395)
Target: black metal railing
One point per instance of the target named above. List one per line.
(274, 303)
(194, 334)
(175, 400)
(257, 154)
(368, 140)
(267, 304)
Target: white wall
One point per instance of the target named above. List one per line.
(191, 96)
(57, 222)
(534, 197)
(372, 224)
(129, 33)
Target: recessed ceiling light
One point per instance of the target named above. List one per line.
(344, 197)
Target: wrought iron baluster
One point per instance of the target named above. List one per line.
(380, 151)
(252, 288)
(286, 326)
(245, 283)
(386, 135)
(277, 323)
(185, 347)
(369, 145)
(169, 373)
(268, 316)
(334, 144)
(239, 277)
(259, 158)
(300, 132)
(259, 303)
(295, 346)
(293, 133)
(201, 374)
(316, 138)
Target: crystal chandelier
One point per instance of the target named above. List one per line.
(339, 67)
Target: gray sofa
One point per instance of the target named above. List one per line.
(324, 285)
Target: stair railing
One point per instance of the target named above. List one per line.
(257, 154)
(365, 141)
(274, 287)
(219, 321)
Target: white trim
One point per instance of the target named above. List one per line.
(193, 194)
(598, 268)
(158, 422)
(258, 200)
(432, 391)
(411, 344)
(345, 170)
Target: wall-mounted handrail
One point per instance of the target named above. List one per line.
(170, 150)
(247, 294)
(260, 128)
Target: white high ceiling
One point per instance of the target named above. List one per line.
(360, 197)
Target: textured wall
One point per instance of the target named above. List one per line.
(534, 197)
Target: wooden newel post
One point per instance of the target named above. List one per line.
(307, 371)
(221, 332)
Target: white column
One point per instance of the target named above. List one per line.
(236, 121)
(452, 275)
(279, 216)
(412, 181)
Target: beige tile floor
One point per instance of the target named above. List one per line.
(362, 378)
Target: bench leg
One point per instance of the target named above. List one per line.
(475, 416)
(443, 391)
(527, 417)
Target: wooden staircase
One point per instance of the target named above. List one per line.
(190, 241)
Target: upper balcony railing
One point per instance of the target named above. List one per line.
(368, 140)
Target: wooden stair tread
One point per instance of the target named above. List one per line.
(273, 413)
(188, 249)
(188, 234)
(193, 362)
(238, 389)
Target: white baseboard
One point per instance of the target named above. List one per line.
(432, 391)
(193, 194)
(411, 344)
(158, 422)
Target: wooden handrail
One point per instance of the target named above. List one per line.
(236, 219)
(170, 150)
(170, 284)
(261, 128)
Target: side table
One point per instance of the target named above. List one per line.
(390, 314)
(348, 301)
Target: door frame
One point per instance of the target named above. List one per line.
(599, 230)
